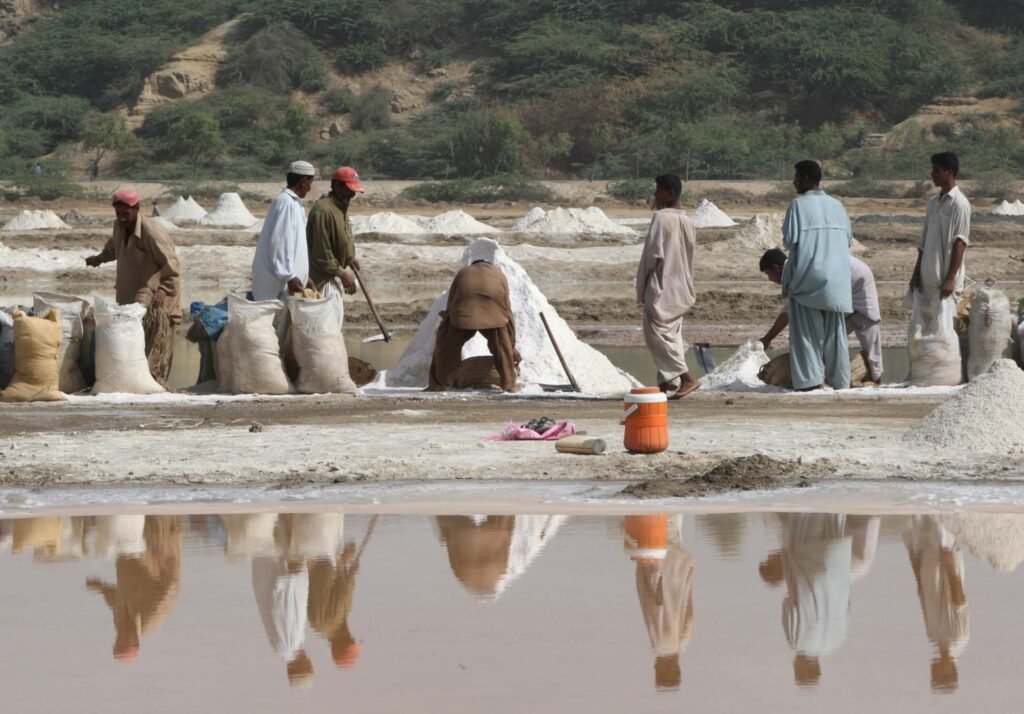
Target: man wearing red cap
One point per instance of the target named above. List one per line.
(329, 234)
(148, 272)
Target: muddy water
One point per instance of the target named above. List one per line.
(709, 613)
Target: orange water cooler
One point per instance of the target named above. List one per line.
(646, 420)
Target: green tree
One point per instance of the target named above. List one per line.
(555, 149)
(101, 133)
(196, 138)
(488, 143)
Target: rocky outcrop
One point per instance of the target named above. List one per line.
(13, 13)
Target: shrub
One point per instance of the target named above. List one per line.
(50, 185)
(488, 143)
(339, 100)
(278, 58)
(372, 109)
(864, 188)
(631, 190)
(209, 190)
(510, 187)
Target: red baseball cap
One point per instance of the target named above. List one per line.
(348, 176)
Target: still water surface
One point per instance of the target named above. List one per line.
(325, 612)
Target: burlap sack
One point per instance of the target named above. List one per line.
(319, 346)
(777, 372)
(477, 373)
(72, 313)
(36, 344)
(249, 351)
(361, 372)
(121, 363)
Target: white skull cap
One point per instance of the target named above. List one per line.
(302, 168)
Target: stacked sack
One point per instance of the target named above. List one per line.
(74, 350)
(261, 337)
(990, 332)
(935, 350)
(36, 341)
(121, 364)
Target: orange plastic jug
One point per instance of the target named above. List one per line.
(646, 538)
(646, 421)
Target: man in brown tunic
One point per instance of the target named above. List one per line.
(148, 273)
(478, 301)
(329, 234)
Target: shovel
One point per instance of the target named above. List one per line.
(385, 335)
(573, 386)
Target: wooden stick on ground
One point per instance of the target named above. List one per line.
(373, 308)
(565, 367)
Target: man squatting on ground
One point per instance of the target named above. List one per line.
(664, 286)
(866, 319)
(329, 236)
(281, 264)
(148, 273)
(939, 272)
(816, 283)
(478, 301)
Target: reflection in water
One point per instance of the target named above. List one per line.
(725, 530)
(486, 553)
(148, 567)
(664, 585)
(821, 556)
(939, 571)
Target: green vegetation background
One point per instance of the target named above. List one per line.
(562, 88)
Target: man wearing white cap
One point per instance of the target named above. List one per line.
(329, 234)
(281, 264)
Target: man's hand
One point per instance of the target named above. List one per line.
(948, 288)
(915, 281)
(356, 264)
(158, 297)
(348, 283)
(93, 261)
(294, 286)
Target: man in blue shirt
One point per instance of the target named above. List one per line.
(816, 283)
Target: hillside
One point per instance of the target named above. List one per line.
(549, 88)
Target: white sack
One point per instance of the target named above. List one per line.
(318, 345)
(935, 350)
(121, 364)
(990, 333)
(249, 350)
(72, 312)
(6, 348)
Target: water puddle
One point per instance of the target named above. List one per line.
(709, 612)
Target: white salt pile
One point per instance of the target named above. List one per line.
(995, 537)
(763, 233)
(386, 222)
(739, 372)
(184, 210)
(708, 215)
(1009, 209)
(592, 370)
(570, 220)
(984, 416)
(458, 223)
(36, 221)
(257, 227)
(228, 212)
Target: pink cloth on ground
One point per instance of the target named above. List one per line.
(515, 432)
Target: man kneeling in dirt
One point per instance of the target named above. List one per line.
(478, 301)
(865, 320)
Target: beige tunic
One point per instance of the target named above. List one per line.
(664, 278)
(146, 260)
(478, 298)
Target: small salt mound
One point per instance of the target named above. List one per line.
(739, 372)
(36, 221)
(1009, 209)
(457, 223)
(184, 210)
(569, 221)
(164, 223)
(763, 233)
(995, 537)
(228, 212)
(592, 370)
(984, 416)
(387, 222)
(708, 215)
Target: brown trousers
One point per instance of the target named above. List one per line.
(448, 354)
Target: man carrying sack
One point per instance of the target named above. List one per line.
(148, 272)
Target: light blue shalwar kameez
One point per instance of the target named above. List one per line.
(816, 283)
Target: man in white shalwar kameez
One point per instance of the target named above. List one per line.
(281, 264)
(664, 286)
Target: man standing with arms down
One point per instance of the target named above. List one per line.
(816, 283)
(939, 272)
(329, 235)
(148, 273)
(281, 264)
(478, 301)
(865, 321)
(664, 286)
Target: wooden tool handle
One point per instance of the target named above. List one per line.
(558, 352)
(373, 308)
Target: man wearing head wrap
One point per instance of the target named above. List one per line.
(281, 264)
(329, 234)
(148, 272)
